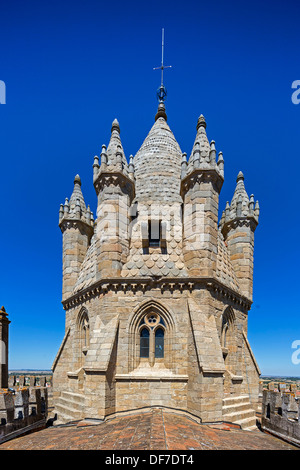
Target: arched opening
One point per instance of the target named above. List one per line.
(83, 327)
(229, 348)
(228, 332)
(151, 336)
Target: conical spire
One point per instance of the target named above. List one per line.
(203, 153)
(75, 208)
(115, 155)
(157, 165)
(240, 196)
(241, 205)
(77, 198)
(201, 138)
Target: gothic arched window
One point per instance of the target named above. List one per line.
(152, 337)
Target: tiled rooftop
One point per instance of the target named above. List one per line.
(156, 429)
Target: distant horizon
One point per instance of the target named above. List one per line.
(49, 370)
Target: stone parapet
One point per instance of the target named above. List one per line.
(22, 410)
(280, 415)
(28, 380)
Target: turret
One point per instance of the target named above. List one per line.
(4, 322)
(114, 185)
(202, 180)
(76, 223)
(238, 224)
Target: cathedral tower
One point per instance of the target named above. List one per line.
(156, 295)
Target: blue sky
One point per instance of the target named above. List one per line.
(70, 68)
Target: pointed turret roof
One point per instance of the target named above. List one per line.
(203, 153)
(240, 196)
(158, 165)
(241, 206)
(75, 208)
(201, 143)
(114, 147)
(77, 196)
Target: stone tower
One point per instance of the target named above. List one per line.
(4, 322)
(76, 224)
(157, 290)
(238, 224)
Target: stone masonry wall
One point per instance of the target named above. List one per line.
(190, 377)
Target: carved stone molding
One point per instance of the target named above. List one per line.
(172, 285)
(76, 224)
(202, 175)
(115, 179)
(238, 222)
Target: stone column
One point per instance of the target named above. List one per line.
(4, 322)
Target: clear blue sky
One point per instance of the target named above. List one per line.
(70, 68)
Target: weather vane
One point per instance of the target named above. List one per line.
(162, 92)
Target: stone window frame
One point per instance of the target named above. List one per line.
(154, 225)
(154, 228)
(136, 324)
(152, 328)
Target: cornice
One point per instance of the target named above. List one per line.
(135, 285)
(75, 223)
(199, 175)
(246, 221)
(116, 178)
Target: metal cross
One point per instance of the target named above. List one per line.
(162, 92)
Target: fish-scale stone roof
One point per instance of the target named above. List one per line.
(157, 165)
(156, 263)
(88, 271)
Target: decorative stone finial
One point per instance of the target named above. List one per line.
(131, 164)
(115, 126)
(251, 203)
(220, 163)
(77, 180)
(161, 112)
(201, 122)
(240, 177)
(3, 314)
